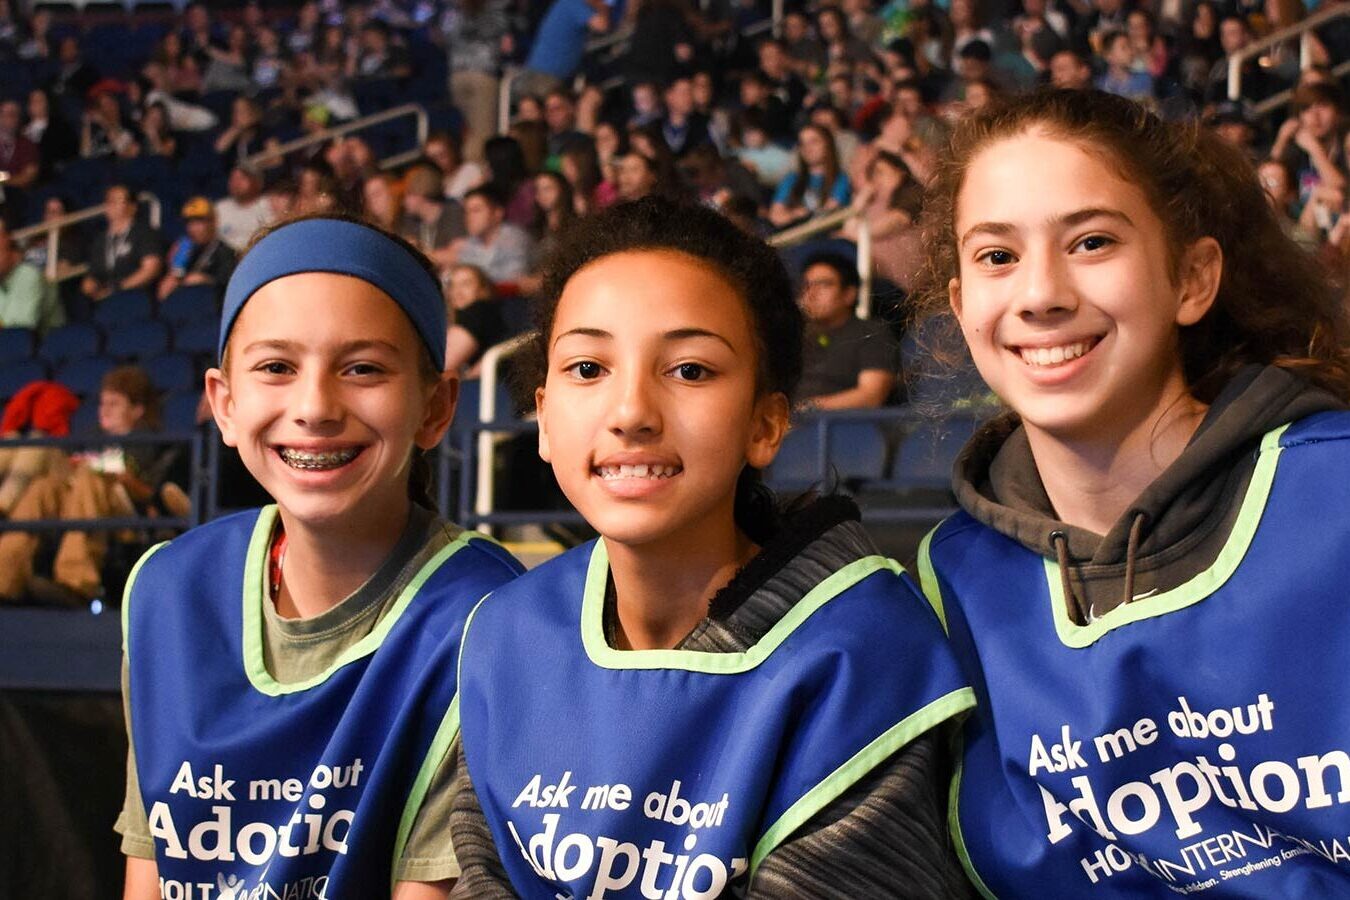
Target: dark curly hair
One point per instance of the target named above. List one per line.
(751, 266)
(1274, 306)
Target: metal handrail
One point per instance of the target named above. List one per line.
(1275, 101)
(379, 118)
(53, 227)
(1301, 30)
(490, 369)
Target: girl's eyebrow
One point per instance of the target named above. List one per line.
(1077, 217)
(343, 349)
(678, 334)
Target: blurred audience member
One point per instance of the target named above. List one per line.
(849, 363)
(126, 255)
(241, 214)
(496, 246)
(199, 256)
(476, 322)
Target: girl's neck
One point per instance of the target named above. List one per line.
(663, 590)
(326, 564)
(1092, 482)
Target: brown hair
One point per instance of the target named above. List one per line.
(133, 383)
(832, 170)
(1274, 305)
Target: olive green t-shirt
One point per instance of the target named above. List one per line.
(295, 650)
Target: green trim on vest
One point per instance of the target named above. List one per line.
(440, 745)
(605, 656)
(928, 580)
(954, 823)
(255, 595)
(1197, 588)
(862, 762)
(126, 591)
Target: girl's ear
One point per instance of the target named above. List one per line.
(438, 412)
(1201, 273)
(222, 404)
(954, 296)
(544, 452)
(771, 418)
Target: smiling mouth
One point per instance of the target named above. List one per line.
(310, 461)
(614, 473)
(1048, 357)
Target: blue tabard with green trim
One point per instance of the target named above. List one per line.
(260, 789)
(1192, 741)
(606, 773)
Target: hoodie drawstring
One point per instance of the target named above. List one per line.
(1075, 610)
(1131, 550)
(1073, 605)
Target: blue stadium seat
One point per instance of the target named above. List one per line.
(16, 345)
(191, 303)
(15, 375)
(84, 376)
(142, 339)
(858, 450)
(84, 421)
(123, 306)
(77, 341)
(927, 453)
(197, 338)
(180, 410)
(797, 464)
(171, 372)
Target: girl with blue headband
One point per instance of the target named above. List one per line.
(288, 670)
(710, 698)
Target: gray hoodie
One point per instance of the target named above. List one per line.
(1174, 529)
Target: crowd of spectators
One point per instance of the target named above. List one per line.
(847, 107)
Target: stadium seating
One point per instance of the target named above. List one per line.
(69, 342)
(137, 340)
(16, 345)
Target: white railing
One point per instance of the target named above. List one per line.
(1276, 101)
(52, 229)
(824, 224)
(1302, 31)
(408, 109)
(490, 377)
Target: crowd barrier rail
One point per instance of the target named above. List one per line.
(80, 649)
(1302, 32)
(52, 231)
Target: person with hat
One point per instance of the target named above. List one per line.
(199, 256)
(289, 673)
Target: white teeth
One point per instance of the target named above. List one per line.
(613, 473)
(332, 459)
(1053, 356)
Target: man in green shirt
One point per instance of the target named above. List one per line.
(26, 299)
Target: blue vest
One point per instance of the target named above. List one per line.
(1192, 741)
(624, 773)
(287, 790)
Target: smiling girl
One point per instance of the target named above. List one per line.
(287, 669)
(707, 699)
(1146, 582)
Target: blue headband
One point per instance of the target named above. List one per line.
(345, 248)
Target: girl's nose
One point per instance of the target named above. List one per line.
(1045, 288)
(636, 408)
(317, 401)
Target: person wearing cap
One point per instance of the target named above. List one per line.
(1232, 121)
(199, 256)
(289, 673)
